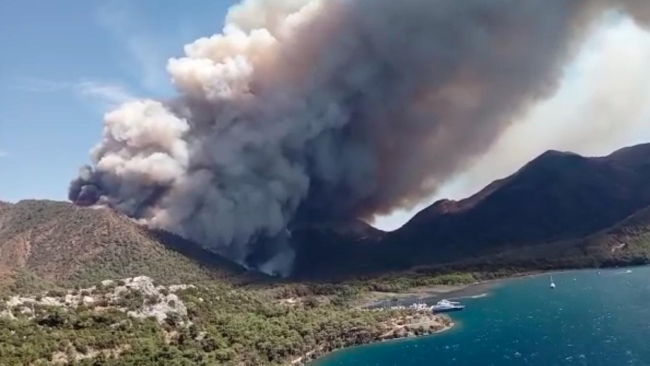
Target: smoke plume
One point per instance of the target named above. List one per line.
(329, 110)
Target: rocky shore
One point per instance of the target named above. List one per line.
(409, 325)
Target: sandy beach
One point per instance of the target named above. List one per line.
(424, 294)
(433, 294)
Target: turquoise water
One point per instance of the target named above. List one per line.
(590, 319)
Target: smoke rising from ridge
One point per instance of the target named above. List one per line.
(322, 110)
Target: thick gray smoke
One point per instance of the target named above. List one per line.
(333, 109)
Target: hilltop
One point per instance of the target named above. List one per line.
(48, 242)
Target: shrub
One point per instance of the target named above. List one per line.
(56, 293)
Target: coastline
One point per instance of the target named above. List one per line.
(574, 279)
(316, 354)
(428, 293)
(452, 292)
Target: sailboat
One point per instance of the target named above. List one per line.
(552, 284)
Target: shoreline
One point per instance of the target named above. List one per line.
(313, 355)
(431, 293)
(452, 292)
(438, 292)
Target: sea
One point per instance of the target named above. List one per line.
(592, 317)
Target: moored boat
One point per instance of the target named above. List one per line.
(446, 306)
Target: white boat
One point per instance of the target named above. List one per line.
(552, 283)
(445, 306)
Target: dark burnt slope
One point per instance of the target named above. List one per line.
(557, 197)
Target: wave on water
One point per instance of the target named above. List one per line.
(623, 272)
(479, 296)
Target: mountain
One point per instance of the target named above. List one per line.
(553, 204)
(559, 210)
(59, 243)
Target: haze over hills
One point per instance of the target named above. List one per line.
(559, 210)
(554, 202)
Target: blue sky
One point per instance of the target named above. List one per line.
(64, 63)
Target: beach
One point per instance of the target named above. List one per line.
(429, 295)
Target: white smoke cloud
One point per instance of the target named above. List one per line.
(319, 110)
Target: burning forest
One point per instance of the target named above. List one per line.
(319, 110)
